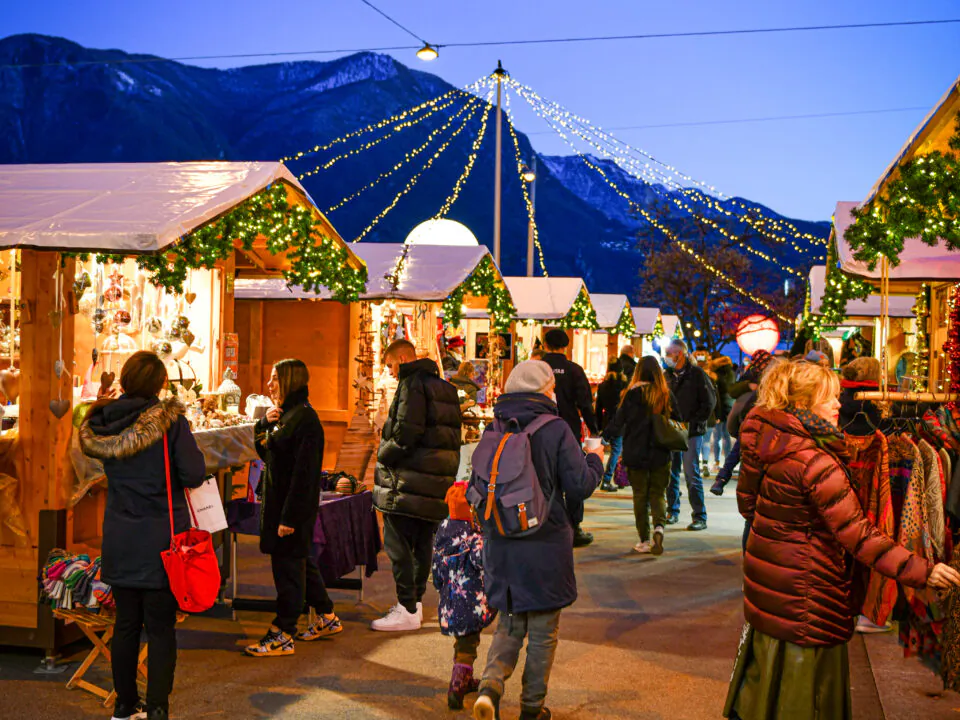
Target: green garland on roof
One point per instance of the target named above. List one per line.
(581, 315)
(316, 260)
(839, 288)
(484, 281)
(922, 201)
(625, 326)
(658, 328)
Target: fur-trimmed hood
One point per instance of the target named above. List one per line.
(128, 426)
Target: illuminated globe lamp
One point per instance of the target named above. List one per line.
(442, 232)
(757, 332)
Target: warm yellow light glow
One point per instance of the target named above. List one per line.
(528, 174)
(427, 53)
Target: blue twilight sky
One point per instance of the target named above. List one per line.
(798, 167)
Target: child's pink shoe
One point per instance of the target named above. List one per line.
(462, 683)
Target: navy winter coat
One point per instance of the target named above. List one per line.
(535, 572)
(127, 435)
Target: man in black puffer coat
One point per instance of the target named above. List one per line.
(417, 463)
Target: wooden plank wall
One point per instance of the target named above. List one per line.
(321, 333)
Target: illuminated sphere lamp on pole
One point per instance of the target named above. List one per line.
(528, 174)
(757, 332)
(441, 231)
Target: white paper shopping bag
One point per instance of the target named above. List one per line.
(206, 507)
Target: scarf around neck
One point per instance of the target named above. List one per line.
(823, 431)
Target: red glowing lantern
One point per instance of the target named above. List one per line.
(757, 332)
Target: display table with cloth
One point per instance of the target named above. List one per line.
(345, 537)
(222, 448)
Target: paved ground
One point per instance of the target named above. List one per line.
(649, 639)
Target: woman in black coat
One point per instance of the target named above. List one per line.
(290, 441)
(608, 400)
(648, 465)
(127, 434)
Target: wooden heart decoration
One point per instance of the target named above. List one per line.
(106, 380)
(190, 297)
(56, 317)
(59, 408)
(58, 368)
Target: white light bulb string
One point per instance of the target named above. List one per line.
(471, 160)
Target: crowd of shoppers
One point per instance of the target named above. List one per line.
(783, 422)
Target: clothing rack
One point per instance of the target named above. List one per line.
(896, 396)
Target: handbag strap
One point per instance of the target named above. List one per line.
(166, 465)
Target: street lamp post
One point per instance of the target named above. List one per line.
(499, 74)
(530, 175)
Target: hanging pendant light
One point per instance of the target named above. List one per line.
(427, 53)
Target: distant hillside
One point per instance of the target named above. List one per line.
(153, 111)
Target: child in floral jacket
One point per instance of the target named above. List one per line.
(458, 576)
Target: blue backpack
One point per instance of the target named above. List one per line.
(504, 490)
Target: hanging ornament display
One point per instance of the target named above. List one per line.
(81, 283)
(60, 406)
(952, 346)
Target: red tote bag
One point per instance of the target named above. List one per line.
(191, 562)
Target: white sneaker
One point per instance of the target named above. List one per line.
(867, 627)
(397, 620)
(420, 611)
(642, 547)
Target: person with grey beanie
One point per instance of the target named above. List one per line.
(530, 579)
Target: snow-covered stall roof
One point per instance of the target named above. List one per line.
(645, 319)
(670, 325)
(543, 298)
(900, 305)
(609, 308)
(918, 261)
(430, 274)
(123, 207)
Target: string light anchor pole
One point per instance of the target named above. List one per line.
(533, 210)
(499, 74)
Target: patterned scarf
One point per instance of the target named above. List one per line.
(823, 431)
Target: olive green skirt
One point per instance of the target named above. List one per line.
(777, 680)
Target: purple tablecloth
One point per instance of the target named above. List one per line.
(346, 534)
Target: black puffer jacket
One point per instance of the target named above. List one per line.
(527, 574)
(292, 449)
(574, 397)
(627, 366)
(696, 397)
(723, 378)
(420, 448)
(127, 435)
(634, 422)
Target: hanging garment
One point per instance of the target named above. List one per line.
(869, 468)
(903, 455)
(950, 653)
(946, 473)
(934, 496)
(914, 531)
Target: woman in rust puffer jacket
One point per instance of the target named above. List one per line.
(808, 535)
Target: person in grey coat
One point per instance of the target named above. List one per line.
(531, 579)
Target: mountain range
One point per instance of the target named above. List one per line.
(61, 103)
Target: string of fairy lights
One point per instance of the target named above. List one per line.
(554, 121)
(640, 163)
(465, 107)
(408, 156)
(528, 201)
(471, 161)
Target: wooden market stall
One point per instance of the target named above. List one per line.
(77, 304)
(414, 291)
(863, 317)
(649, 332)
(926, 272)
(553, 302)
(616, 327)
(672, 329)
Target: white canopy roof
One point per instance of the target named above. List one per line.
(543, 298)
(609, 308)
(670, 325)
(430, 274)
(900, 305)
(123, 207)
(918, 261)
(645, 319)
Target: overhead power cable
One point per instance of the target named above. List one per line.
(496, 43)
(407, 30)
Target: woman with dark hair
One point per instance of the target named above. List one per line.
(127, 434)
(648, 465)
(290, 441)
(608, 400)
